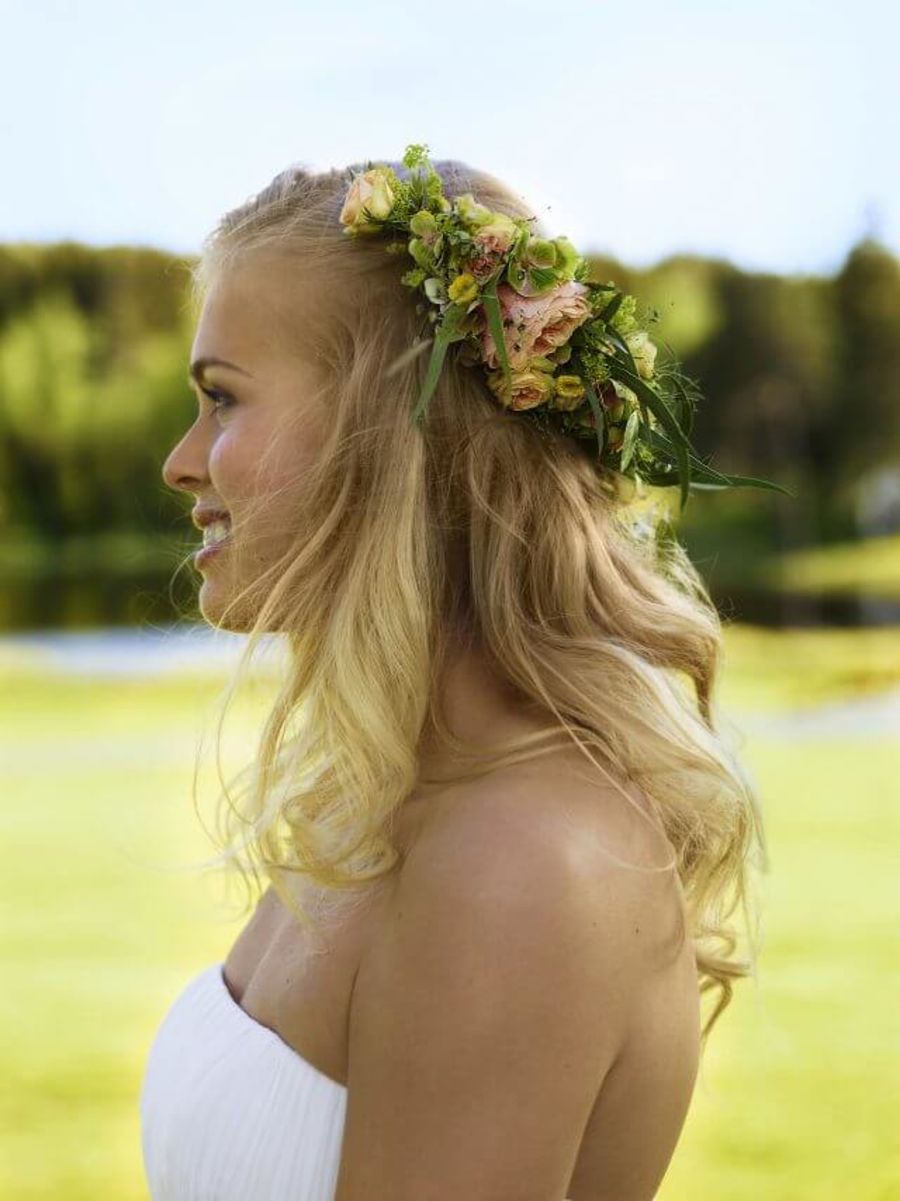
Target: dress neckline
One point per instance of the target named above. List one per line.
(217, 972)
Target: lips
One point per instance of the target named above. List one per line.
(203, 517)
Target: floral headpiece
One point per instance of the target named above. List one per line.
(567, 352)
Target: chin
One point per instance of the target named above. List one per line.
(213, 605)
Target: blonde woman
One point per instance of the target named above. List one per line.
(501, 834)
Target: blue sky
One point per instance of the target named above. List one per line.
(764, 132)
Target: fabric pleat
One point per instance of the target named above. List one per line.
(230, 1112)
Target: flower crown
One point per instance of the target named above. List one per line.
(568, 352)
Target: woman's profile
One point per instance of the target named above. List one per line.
(501, 834)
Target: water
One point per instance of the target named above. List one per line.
(118, 652)
(125, 651)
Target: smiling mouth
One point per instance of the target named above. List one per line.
(216, 532)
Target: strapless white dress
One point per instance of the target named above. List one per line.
(230, 1112)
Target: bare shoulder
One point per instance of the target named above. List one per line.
(558, 817)
(492, 999)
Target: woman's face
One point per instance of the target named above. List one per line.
(255, 428)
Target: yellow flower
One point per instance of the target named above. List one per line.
(569, 392)
(463, 289)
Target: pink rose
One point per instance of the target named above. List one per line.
(535, 325)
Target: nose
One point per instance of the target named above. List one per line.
(185, 468)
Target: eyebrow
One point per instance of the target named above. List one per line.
(199, 366)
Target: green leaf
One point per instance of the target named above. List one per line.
(447, 332)
(495, 324)
(612, 307)
(707, 478)
(629, 441)
(685, 406)
(681, 446)
(597, 410)
(616, 338)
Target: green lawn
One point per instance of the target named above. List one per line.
(105, 922)
(871, 565)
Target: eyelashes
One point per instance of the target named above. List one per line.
(221, 400)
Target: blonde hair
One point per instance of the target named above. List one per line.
(480, 526)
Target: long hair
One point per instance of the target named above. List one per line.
(481, 526)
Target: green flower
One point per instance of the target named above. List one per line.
(420, 253)
(567, 258)
(541, 252)
(472, 213)
(623, 319)
(423, 224)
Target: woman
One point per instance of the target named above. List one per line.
(501, 833)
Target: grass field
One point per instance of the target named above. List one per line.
(105, 922)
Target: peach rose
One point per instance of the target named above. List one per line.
(371, 190)
(528, 388)
(536, 324)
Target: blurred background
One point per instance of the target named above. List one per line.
(735, 166)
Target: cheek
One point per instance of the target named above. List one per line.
(232, 464)
(245, 465)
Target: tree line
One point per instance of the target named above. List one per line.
(801, 376)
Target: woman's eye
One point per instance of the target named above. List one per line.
(219, 399)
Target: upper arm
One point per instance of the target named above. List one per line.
(486, 1012)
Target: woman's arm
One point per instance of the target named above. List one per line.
(487, 1010)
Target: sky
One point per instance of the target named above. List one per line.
(762, 131)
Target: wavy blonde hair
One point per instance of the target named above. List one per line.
(482, 527)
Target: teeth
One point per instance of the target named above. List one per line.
(215, 532)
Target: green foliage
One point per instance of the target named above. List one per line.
(798, 379)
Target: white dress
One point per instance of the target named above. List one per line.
(230, 1112)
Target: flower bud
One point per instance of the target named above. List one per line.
(420, 252)
(471, 211)
(569, 392)
(435, 290)
(643, 351)
(540, 362)
(423, 223)
(369, 199)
